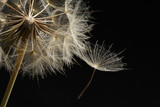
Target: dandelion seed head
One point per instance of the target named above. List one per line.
(56, 28)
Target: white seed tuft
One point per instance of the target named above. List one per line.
(101, 59)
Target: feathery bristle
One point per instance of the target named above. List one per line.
(101, 59)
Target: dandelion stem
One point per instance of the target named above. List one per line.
(21, 53)
(87, 85)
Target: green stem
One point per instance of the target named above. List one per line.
(21, 53)
(87, 85)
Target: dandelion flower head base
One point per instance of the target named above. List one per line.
(29, 19)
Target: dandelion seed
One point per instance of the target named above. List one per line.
(101, 59)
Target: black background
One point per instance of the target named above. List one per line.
(128, 24)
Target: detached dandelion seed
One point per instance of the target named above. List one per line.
(101, 59)
(37, 36)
